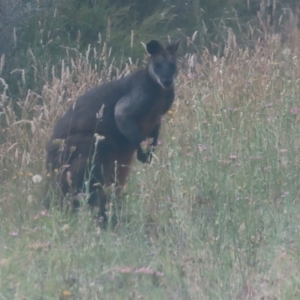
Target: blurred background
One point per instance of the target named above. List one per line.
(41, 31)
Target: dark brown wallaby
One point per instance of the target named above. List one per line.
(94, 143)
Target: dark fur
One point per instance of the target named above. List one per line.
(132, 112)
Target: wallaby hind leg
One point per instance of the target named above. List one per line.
(117, 171)
(84, 175)
(98, 199)
(97, 196)
(88, 181)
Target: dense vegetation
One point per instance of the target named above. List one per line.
(215, 216)
(37, 34)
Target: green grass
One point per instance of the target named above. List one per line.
(215, 216)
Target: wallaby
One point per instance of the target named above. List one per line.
(94, 143)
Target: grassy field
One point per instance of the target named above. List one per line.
(215, 216)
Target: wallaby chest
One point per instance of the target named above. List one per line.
(158, 105)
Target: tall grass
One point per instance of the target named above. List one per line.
(216, 214)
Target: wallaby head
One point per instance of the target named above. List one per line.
(162, 63)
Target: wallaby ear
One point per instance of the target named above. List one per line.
(173, 47)
(154, 47)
